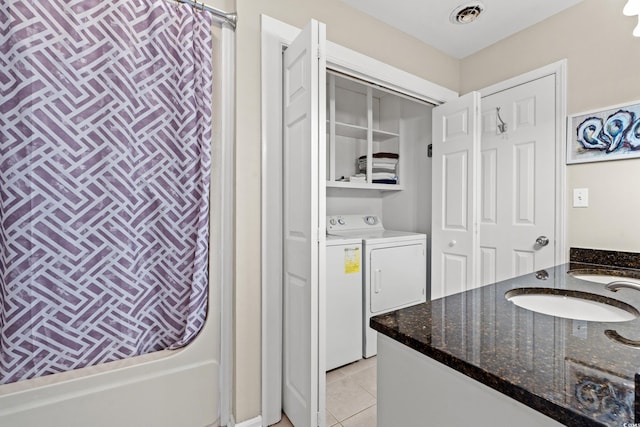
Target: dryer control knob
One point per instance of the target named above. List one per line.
(340, 221)
(371, 220)
(332, 221)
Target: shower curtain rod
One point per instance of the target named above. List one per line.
(230, 18)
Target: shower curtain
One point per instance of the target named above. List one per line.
(105, 130)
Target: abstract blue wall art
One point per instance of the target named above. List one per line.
(609, 134)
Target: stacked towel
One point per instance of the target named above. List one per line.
(383, 167)
(383, 175)
(359, 177)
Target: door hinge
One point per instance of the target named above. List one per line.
(321, 50)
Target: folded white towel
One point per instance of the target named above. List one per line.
(383, 175)
(392, 163)
(380, 160)
(384, 166)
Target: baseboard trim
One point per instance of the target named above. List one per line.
(253, 422)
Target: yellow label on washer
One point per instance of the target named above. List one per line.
(352, 260)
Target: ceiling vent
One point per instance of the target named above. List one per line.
(466, 13)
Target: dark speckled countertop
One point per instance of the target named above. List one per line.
(571, 370)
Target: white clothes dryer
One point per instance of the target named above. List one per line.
(394, 268)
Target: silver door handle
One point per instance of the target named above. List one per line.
(542, 241)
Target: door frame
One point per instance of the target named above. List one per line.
(275, 36)
(559, 70)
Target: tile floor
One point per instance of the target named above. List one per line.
(351, 396)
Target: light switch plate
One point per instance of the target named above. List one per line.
(580, 197)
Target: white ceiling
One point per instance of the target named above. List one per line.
(428, 20)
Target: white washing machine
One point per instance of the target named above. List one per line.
(344, 301)
(394, 268)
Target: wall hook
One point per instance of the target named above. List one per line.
(501, 125)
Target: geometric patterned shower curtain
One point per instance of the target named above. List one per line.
(105, 130)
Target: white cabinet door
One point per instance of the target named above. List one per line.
(303, 226)
(454, 228)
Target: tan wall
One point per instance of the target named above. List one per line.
(603, 70)
(351, 29)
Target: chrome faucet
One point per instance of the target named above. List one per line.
(616, 285)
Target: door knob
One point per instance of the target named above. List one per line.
(542, 241)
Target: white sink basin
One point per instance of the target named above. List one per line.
(572, 304)
(602, 278)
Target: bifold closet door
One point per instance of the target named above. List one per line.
(304, 213)
(454, 243)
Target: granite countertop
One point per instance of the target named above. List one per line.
(580, 373)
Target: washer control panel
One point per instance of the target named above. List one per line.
(349, 223)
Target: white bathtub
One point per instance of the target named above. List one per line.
(168, 388)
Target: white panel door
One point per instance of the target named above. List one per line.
(303, 226)
(454, 227)
(517, 201)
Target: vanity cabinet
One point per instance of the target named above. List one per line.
(415, 390)
(364, 145)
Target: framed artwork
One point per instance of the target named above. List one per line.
(599, 394)
(609, 134)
